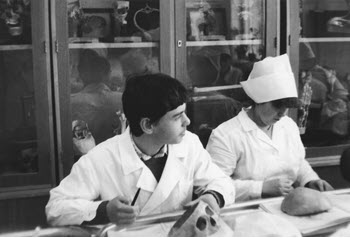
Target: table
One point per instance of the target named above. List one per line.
(144, 222)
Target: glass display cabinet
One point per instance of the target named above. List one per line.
(210, 45)
(84, 57)
(26, 122)
(323, 38)
(218, 42)
(104, 42)
(63, 67)
(68, 99)
(27, 149)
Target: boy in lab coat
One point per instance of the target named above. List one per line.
(155, 158)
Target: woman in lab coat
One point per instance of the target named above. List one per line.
(261, 148)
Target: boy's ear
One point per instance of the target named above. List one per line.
(146, 125)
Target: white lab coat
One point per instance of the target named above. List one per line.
(113, 169)
(249, 156)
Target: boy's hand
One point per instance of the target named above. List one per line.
(120, 212)
(208, 199)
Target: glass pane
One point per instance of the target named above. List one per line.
(18, 139)
(15, 22)
(113, 21)
(224, 39)
(324, 68)
(109, 41)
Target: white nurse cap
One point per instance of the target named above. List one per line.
(271, 79)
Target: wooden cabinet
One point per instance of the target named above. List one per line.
(27, 143)
(101, 44)
(26, 120)
(49, 50)
(47, 53)
(182, 38)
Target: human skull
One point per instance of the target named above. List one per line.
(206, 223)
(200, 220)
(121, 9)
(80, 129)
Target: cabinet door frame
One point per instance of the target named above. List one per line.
(60, 59)
(273, 19)
(61, 73)
(167, 37)
(18, 185)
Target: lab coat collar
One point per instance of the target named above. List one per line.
(246, 122)
(174, 170)
(249, 125)
(130, 161)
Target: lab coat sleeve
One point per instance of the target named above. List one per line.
(208, 176)
(305, 173)
(226, 152)
(72, 202)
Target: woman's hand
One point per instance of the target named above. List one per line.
(276, 187)
(319, 185)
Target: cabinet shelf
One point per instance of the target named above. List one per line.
(215, 88)
(113, 45)
(15, 47)
(325, 39)
(226, 42)
(323, 161)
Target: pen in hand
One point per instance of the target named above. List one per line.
(123, 227)
(135, 197)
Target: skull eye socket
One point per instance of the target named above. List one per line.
(208, 211)
(201, 223)
(212, 221)
(123, 10)
(80, 132)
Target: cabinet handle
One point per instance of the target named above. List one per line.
(45, 47)
(56, 46)
(289, 39)
(179, 43)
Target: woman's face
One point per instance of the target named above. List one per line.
(269, 114)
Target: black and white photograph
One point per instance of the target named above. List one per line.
(174, 118)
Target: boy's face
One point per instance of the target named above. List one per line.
(171, 128)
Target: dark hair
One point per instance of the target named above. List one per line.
(345, 164)
(241, 51)
(93, 22)
(92, 67)
(86, 56)
(286, 102)
(225, 58)
(151, 96)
